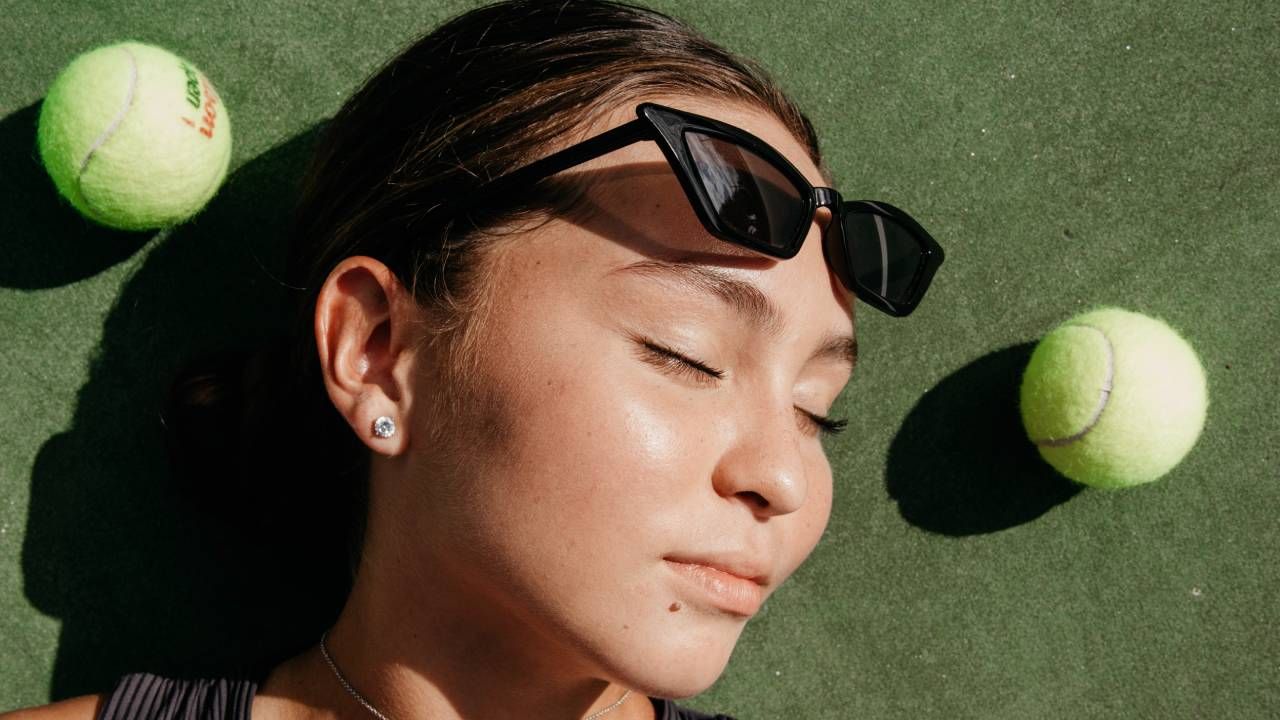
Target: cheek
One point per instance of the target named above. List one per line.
(594, 460)
(820, 512)
(599, 437)
(597, 477)
(810, 521)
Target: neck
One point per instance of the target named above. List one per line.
(444, 656)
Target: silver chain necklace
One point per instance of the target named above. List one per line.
(327, 658)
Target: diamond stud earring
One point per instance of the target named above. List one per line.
(384, 427)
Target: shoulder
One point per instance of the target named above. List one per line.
(84, 707)
(669, 710)
(146, 695)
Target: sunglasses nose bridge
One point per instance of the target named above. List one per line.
(826, 197)
(833, 240)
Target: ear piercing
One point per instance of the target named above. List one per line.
(384, 427)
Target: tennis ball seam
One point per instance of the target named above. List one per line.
(1103, 395)
(111, 128)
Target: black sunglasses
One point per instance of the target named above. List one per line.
(747, 193)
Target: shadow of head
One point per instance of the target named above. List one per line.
(140, 576)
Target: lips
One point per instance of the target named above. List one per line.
(733, 586)
(741, 567)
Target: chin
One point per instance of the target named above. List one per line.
(682, 659)
(685, 686)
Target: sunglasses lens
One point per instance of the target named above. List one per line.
(752, 198)
(885, 254)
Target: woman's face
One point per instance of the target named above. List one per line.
(600, 473)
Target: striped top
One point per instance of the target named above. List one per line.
(146, 696)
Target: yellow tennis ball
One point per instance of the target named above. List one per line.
(134, 136)
(1113, 398)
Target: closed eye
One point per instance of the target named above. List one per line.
(670, 361)
(667, 359)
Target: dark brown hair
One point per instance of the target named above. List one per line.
(481, 95)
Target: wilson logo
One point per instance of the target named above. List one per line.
(201, 97)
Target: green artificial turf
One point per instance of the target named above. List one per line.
(1064, 154)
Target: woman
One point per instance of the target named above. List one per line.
(583, 396)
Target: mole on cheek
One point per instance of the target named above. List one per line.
(675, 607)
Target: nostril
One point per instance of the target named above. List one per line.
(754, 499)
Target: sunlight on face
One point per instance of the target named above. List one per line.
(625, 466)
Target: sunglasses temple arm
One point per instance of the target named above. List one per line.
(589, 149)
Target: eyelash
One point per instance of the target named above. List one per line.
(671, 361)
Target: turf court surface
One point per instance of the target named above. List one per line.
(1064, 154)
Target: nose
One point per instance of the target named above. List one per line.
(764, 467)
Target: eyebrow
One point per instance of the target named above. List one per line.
(746, 299)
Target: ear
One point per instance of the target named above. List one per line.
(363, 326)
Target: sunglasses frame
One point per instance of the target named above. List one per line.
(668, 128)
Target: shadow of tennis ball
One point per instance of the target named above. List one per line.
(961, 463)
(47, 243)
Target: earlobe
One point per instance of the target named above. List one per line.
(361, 337)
